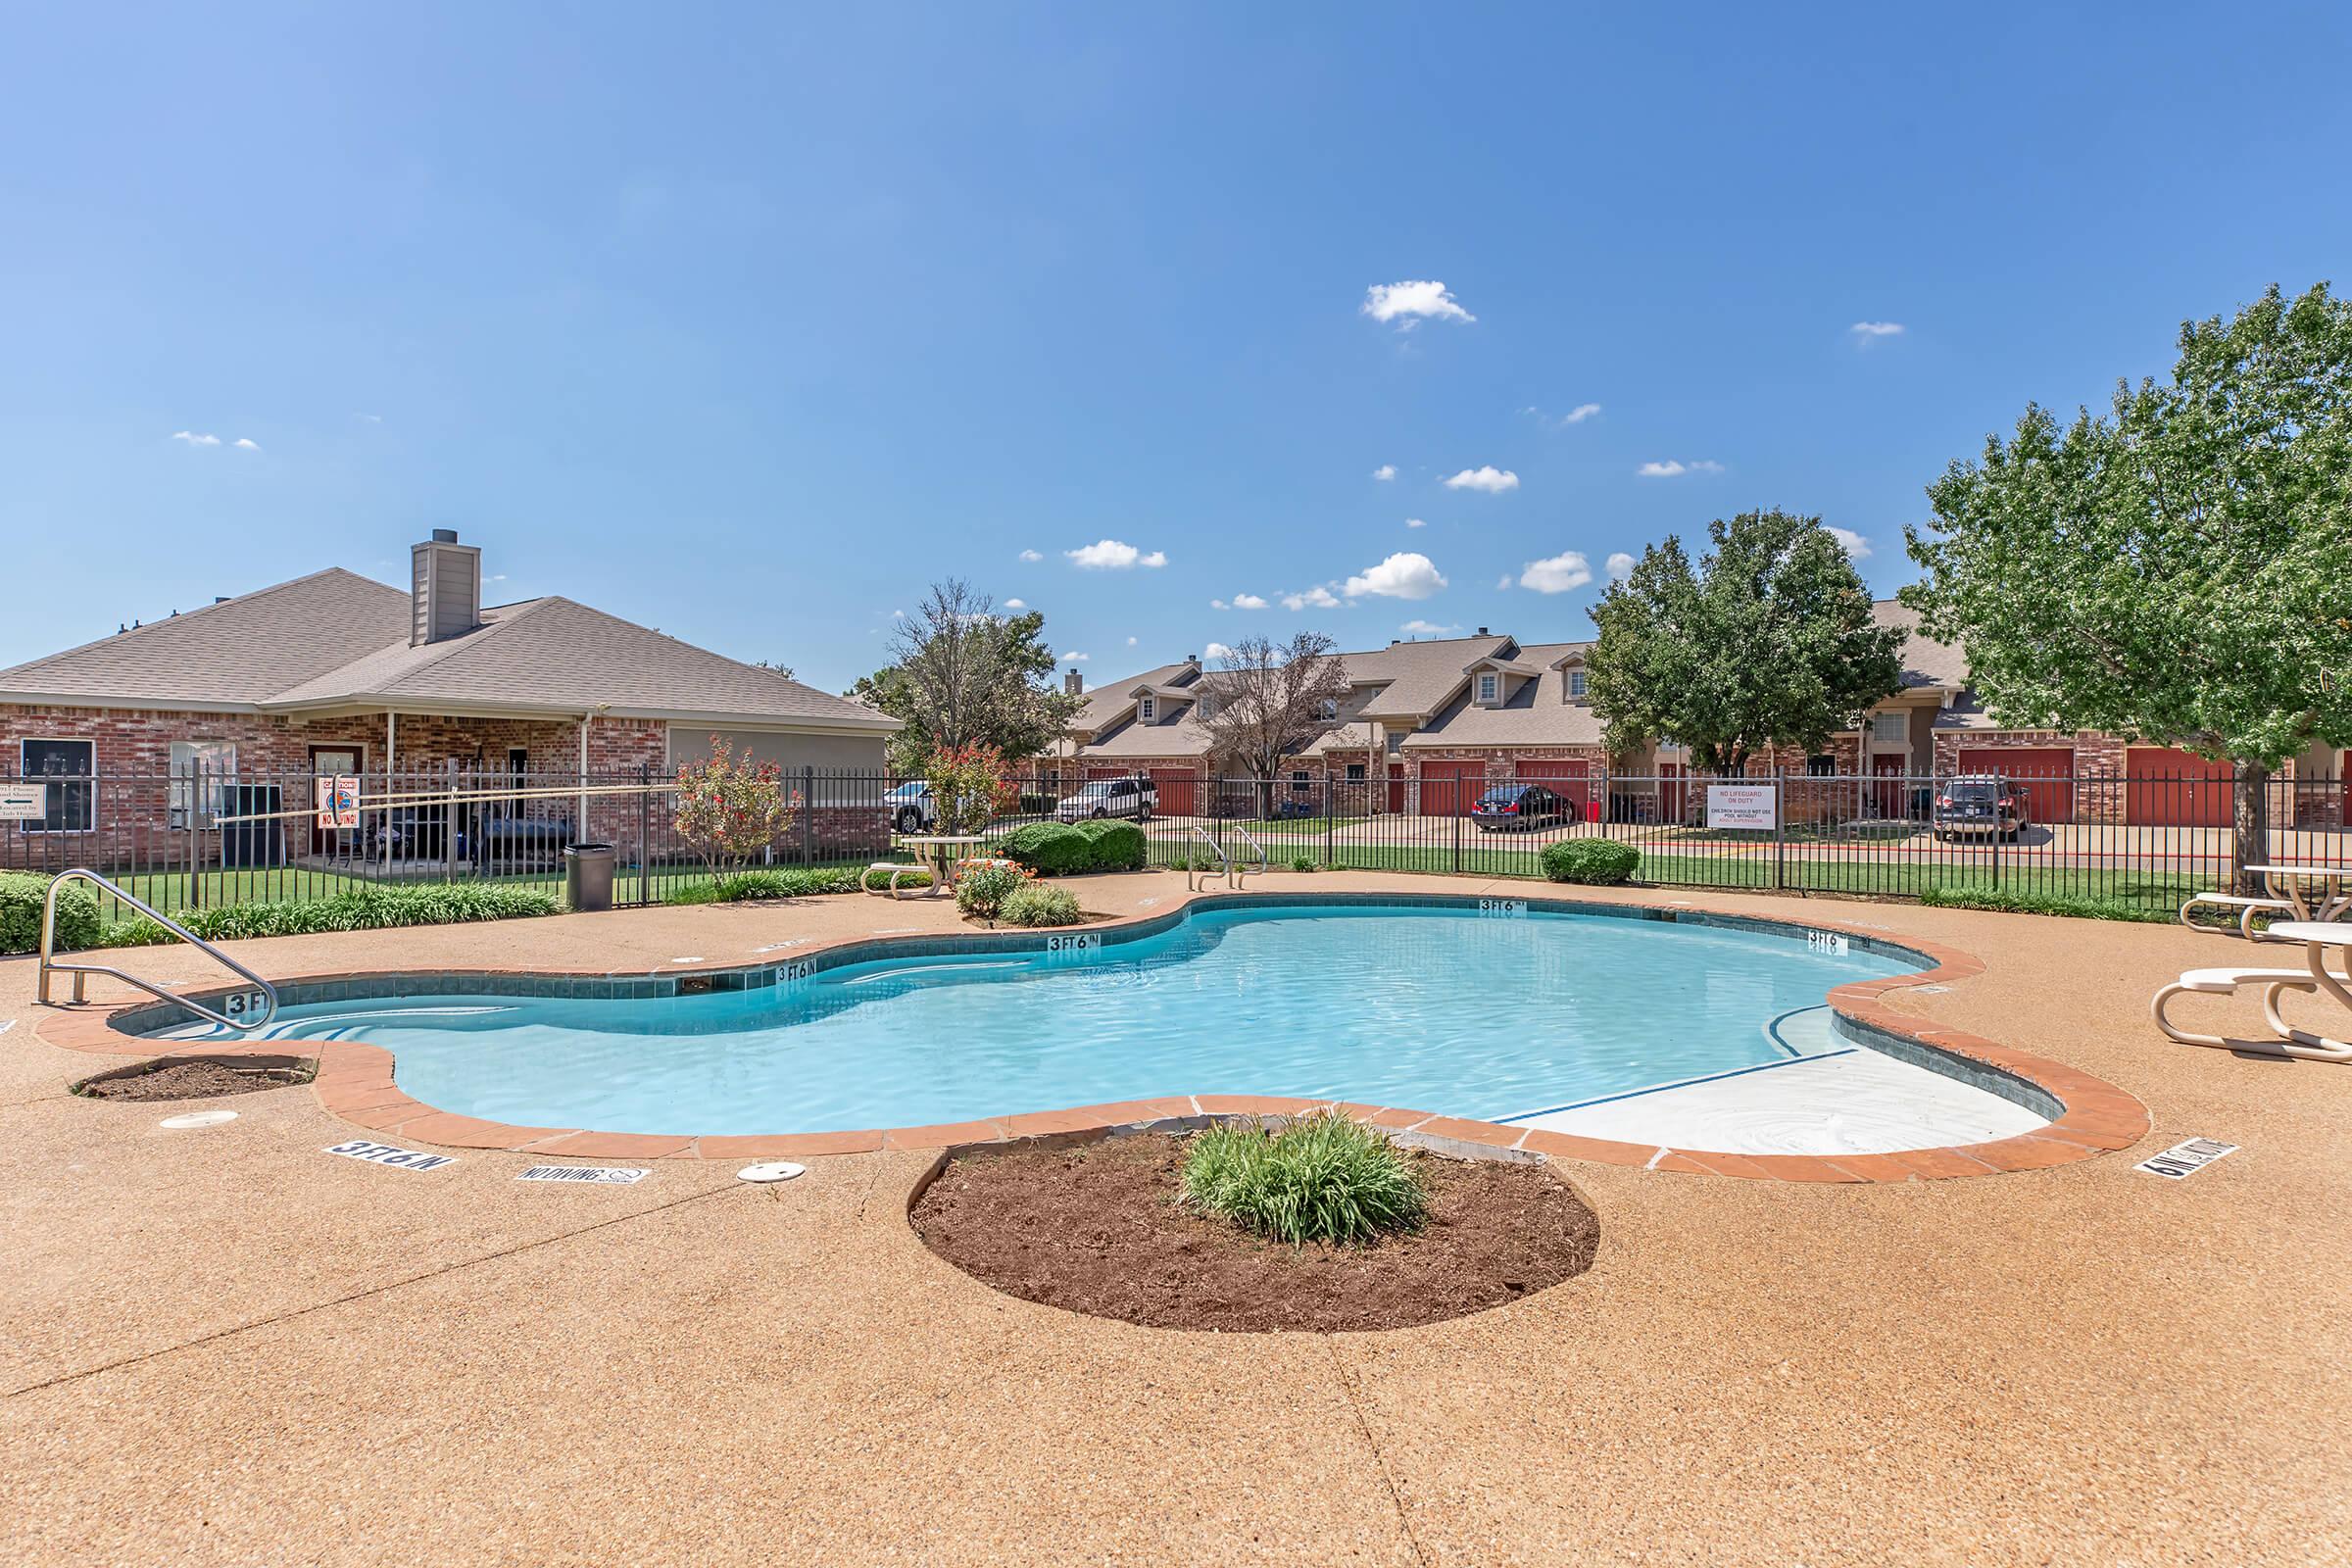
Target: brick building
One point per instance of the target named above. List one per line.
(334, 674)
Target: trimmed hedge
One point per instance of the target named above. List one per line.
(363, 909)
(784, 882)
(1039, 904)
(20, 897)
(1597, 860)
(1115, 846)
(1049, 848)
(2004, 903)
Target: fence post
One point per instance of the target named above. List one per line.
(1454, 801)
(1327, 822)
(1779, 833)
(449, 826)
(645, 832)
(808, 814)
(195, 831)
(2000, 788)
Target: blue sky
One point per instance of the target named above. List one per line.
(747, 324)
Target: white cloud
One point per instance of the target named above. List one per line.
(1428, 628)
(195, 440)
(1409, 304)
(1620, 566)
(1866, 331)
(1505, 581)
(1415, 522)
(1216, 651)
(1671, 468)
(1384, 472)
(1580, 413)
(1076, 658)
(1556, 574)
(1492, 480)
(1856, 546)
(1406, 574)
(1031, 555)
(249, 445)
(1016, 604)
(1131, 642)
(1248, 601)
(1317, 597)
(1113, 554)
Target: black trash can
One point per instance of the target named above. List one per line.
(588, 876)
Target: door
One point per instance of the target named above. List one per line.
(1179, 791)
(1672, 791)
(2046, 774)
(1450, 789)
(1892, 775)
(1397, 788)
(2168, 788)
(1570, 781)
(335, 761)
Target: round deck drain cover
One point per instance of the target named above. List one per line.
(198, 1118)
(775, 1170)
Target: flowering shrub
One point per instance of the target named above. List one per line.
(1041, 903)
(982, 886)
(729, 808)
(969, 785)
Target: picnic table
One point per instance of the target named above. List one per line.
(2317, 937)
(935, 847)
(2285, 881)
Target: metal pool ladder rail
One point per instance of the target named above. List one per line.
(255, 1017)
(1239, 870)
(1224, 866)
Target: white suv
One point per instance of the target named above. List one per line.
(1111, 797)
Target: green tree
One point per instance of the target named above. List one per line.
(1770, 641)
(728, 808)
(2180, 571)
(962, 673)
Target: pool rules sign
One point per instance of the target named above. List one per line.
(1744, 806)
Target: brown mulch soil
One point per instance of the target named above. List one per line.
(1097, 1228)
(192, 1080)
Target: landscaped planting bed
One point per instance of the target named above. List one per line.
(1101, 1228)
(197, 1078)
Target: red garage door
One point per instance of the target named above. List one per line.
(1179, 791)
(1571, 781)
(2047, 773)
(2165, 788)
(1450, 789)
(1106, 772)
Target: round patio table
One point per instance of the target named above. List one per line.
(934, 847)
(2286, 884)
(2317, 937)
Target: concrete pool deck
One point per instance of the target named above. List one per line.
(223, 1345)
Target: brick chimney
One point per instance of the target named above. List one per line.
(445, 588)
(1073, 682)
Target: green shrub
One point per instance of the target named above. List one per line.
(981, 891)
(20, 898)
(2007, 902)
(1599, 861)
(1049, 848)
(1040, 903)
(1113, 846)
(786, 882)
(360, 908)
(1303, 863)
(1320, 1179)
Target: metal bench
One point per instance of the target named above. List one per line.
(2226, 982)
(2247, 910)
(897, 869)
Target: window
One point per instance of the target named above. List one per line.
(1488, 683)
(208, 764)
(1355, 772)
(1206, 706)
(1146, 710)
(1300, 779)
(1576, 684)
(72, 804)
(1891, 729)
(1331, 709)
(1821, 766)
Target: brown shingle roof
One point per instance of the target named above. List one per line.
(334, 639)
(1926, 662)
(1534, 714)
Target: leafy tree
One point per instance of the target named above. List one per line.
(2178, 572)
(729, 808)
(969, 785)
(1770, 640)
(1267, 699)
(961, 673)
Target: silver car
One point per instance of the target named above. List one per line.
(1109, 797)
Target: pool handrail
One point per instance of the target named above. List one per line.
(80, 972)
(1224, 865)
(1240, 870)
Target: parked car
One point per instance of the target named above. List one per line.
(1982, 803)
(1519, 806)
(1138, 798)
(912, 810)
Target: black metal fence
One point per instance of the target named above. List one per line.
(199, 838)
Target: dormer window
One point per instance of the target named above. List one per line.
(1331, 709)
(1147, 710)
(1489, 685)
(1576, 684)
(1205, 706)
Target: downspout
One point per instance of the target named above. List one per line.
(579, 829)
(391, 758)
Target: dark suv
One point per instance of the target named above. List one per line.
(1982, 803)
(1521, 806)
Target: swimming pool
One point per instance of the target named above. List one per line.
(1494, 1010)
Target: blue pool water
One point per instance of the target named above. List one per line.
(1443, 1010)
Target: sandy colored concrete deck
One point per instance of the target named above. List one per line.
(224, 1347)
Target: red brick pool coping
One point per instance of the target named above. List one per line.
(355, 1082)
